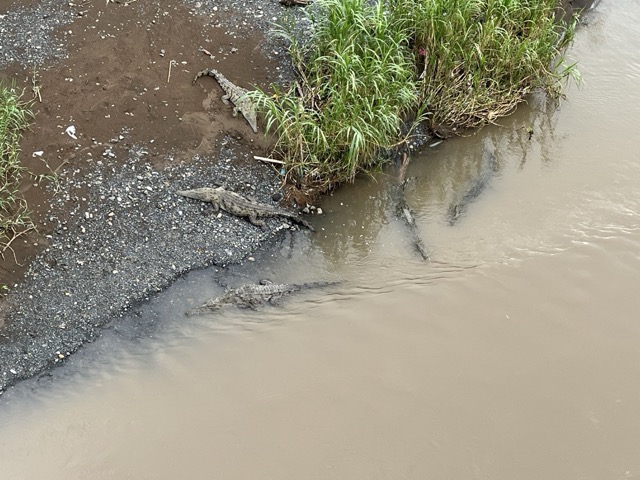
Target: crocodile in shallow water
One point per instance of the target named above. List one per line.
(405, 212)
(236, 204)
(488, 170)
(253, 295)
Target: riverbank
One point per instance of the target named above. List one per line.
(111, 231)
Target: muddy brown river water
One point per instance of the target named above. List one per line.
(514, 353)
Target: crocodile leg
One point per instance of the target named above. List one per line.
(257, 222)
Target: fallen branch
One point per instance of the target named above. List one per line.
(268, 160)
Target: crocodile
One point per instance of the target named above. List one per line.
(405, 212)
(488, 170)
(237, 95)
(236, 204)
(253, 296)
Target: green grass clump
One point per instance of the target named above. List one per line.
(14, 118)
(355, 88)
(478, 59)
(370, 70)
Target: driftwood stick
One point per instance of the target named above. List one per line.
(268, 160)
(171, 64)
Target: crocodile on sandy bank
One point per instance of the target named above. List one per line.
(240, 206)
(253, 295)
(237, 95)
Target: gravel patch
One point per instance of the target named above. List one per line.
(121, 236)
(120, 233)
(28, 33)
(243, 17)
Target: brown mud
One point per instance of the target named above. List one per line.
(128, 81)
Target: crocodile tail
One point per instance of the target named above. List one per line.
(325, 283)
(207, 71)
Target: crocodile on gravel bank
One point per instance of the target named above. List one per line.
(253, 295)
(240, 206)
(237, 95)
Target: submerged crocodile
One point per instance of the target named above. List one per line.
(405, 212)
(402, 208)
(237, 95)
(478, 185)
(236, 204)
(253, 295)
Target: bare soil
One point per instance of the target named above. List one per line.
(128, 81)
